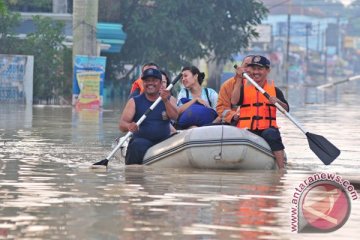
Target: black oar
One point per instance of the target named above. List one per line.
(105, 161)
(324, 149)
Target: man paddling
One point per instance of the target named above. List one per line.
(224, 108)
(137, 87)
(257, 113)
(156, 127)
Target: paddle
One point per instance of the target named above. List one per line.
(338, 82)
(324, 149)
(105, 161)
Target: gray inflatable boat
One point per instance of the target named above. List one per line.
(212, 147)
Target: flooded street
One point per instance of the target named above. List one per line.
(47, 190)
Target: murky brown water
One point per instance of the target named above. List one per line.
(47, 190)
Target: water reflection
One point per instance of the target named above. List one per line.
(85, 119)
(47, 190)
(13, 117)
(194, 204)
(298, 95)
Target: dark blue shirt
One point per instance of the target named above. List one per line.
(156, 126)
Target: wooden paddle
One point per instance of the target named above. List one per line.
(324, 149)
(105, 161)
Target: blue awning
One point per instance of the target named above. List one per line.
(111, 33)
(106, 33)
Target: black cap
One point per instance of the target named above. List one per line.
(151, 72)
(261, 61)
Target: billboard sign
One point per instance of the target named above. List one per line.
(16, 78)
(88, 81)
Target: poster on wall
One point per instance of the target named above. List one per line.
(88, 81)
(16, 79)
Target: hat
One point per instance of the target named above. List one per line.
(151, 72)
(261, 61)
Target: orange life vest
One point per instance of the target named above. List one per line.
(138, 84)
(256, 112)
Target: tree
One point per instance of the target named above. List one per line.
(46, 46)
(52, 66)
(8, 21)
(29, 6)
(2, 7)
(174, 33)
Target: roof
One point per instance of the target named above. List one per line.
(107, 33)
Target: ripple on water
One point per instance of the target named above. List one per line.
(47, 190)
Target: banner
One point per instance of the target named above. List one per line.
(88, 81)
(16, 78)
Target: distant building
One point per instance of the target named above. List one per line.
(110, 35)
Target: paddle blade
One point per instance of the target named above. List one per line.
(103, 162)
(324, 149)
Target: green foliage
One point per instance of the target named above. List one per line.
(8, 21)
(52, 62)
(2, 7)
(45, 45)
(173, 33)
(29, 6)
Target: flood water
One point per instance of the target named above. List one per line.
(47, 190)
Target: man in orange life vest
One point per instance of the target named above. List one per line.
(257, 113)
(137, 87)
(224, 108)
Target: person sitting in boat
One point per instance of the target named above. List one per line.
(156, 127)
(257, 113)
(165, 82)
(224, 108)
(137, 86)
(196, 104)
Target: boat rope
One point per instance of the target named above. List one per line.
(221, 142)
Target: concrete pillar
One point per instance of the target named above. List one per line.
(85, 17)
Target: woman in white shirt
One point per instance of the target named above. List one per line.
(196, 105)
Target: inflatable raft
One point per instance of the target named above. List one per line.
(211, 147)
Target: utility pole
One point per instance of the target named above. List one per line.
(326, 69)
(307, 46)
(85, 17)
(287, 51)
(338, 34)
(318, 37)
